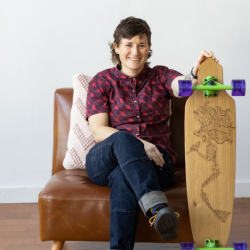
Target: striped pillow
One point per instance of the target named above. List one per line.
(80, 138)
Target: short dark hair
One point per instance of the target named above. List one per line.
(128, 28)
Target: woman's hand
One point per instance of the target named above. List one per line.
(153, 153)
(175, 83)
(204, 56)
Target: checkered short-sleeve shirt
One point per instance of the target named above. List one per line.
(139, 105)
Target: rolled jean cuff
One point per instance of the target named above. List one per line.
(152, 199)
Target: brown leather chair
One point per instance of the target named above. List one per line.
(71, 206)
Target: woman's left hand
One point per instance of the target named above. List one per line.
(203, 57)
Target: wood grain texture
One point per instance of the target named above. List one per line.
(22, 232)
(210, 144)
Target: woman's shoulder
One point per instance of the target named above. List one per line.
(102, 79)
(104, 74)
(160, 68)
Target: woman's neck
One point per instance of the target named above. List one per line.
(129, 72)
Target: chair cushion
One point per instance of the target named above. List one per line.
(80, 210)
(80, 138)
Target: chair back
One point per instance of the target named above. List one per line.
(62, 108)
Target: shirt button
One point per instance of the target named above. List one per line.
(138, 116)
(140, 82)
(128, 82)
(133, 90)
(133, 78)
(134, 101)
(137, 134)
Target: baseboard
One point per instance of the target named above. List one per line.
(30, 195)
(242, 189)
(19, 195)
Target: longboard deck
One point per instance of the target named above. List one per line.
(210, 148)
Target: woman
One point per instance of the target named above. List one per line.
(128, 111)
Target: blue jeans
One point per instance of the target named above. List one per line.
(121, 163)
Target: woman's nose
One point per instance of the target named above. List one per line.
(135, 50)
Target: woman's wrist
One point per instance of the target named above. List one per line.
(190, 77)
(192, 73)
(195, 70)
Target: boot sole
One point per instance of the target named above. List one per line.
(166, 223)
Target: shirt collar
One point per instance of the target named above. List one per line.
(140, 77)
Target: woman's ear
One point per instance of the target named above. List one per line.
(116, 48)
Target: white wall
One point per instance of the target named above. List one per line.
(44, 42)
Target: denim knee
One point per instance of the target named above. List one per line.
(128, 148)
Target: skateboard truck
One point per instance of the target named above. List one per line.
(209, 244)
(215, 244)
(210, 86)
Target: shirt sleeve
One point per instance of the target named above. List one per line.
(167, 76)
(97, 97)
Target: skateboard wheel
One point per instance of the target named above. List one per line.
(185, 88)
(187, 245)
(240, 245)
(239, 87)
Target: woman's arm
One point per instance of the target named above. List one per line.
(204, 55)
(99, 126)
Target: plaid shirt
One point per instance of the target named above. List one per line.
(139, 105)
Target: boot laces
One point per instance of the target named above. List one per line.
(152, 219)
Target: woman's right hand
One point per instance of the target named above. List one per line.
(153, 153)
(203, 57)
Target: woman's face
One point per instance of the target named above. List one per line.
(133, 54)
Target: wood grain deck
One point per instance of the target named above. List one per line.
(210, 149)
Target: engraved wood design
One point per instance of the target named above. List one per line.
(210, 131)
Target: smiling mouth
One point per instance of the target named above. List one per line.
(134, 59)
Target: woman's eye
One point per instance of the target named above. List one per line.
(141, 46)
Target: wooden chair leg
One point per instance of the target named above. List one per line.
(57, 245)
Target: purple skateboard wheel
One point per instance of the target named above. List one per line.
(185, 87)
(239, 87)
(187, 245)
(240, 245)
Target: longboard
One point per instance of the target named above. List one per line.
(210, 149)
